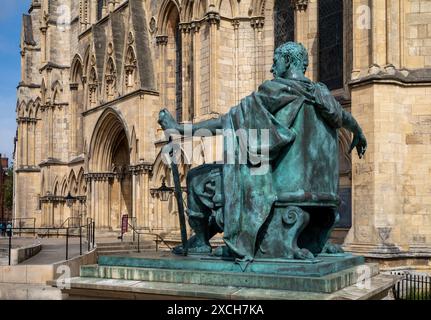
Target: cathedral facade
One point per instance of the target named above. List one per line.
(95, 74)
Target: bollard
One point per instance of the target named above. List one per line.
(10, 244)
(94, 233)
(67, 243)
(80, 240)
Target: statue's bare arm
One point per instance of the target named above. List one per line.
(359, 141)
(167, 122)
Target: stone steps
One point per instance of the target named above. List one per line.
(99, 288)
(326, 284)
(122, 248)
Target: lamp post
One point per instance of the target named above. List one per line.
(69, 200)
(163, 192)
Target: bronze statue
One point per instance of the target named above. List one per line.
(290, 210)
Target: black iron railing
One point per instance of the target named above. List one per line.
(412, 287)
(66, 232)
(136, 235)
(19, 223)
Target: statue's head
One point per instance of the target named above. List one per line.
(290, 56)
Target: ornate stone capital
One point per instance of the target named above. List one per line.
(300, 5)
(141, 168)
(213, 18)
(162, 40)
(257, 22)
(185, 27)
(235, 24)
(100, 177)
(195, 26)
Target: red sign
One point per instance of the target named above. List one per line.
(125, 224)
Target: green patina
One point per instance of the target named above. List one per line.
(289, 211)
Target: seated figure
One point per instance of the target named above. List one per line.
(289, 209)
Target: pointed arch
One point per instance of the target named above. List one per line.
(169, 22)
(55, 189)
(28, 106)
(134, 147)
(37, 104)
(82, 185)
(21, 109)
(73, 183)
(187, 10)
(30, 111)
(200, 9)
(130, 67)
(57, 91)
(64, 187)
(93, 81)
(86, 60)
(227, 8)
(167, 7)
(107, 132)
(110, 79)
(76, 70)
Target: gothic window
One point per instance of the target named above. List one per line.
(130, 70)
(179, 76)
(284, 22)
(331, 43)
(110, 80)
(100, 7)
(92, 88)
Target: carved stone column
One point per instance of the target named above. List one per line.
(72, 133)
(213, 19)
(306, 31)
(257, 23)
(236, 23)
(185, 29)
(162, 42)
(195, 27)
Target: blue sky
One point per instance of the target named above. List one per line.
(10, 29)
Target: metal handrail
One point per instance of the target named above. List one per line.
(62, 226)
(158, 237)
(90, 235)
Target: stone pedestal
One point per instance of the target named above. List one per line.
(165, 276)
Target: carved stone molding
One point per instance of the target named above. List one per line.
(300, 5)
(257, 22)
(26, 120)
(236, 23)
(213, 17)
(195, 26)
(101, 177)
(141, 168)
(153, 25)
(162, 40)
(185, 27)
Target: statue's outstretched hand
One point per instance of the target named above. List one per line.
(166, 120)
(360, 143)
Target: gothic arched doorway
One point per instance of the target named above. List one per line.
(109, 177)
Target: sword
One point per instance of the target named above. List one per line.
(178, 196)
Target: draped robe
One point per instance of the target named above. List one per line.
(249, 197)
